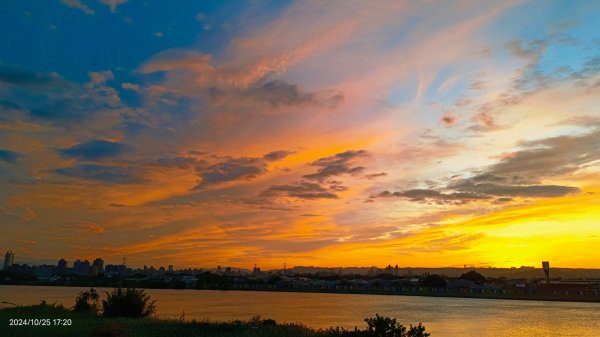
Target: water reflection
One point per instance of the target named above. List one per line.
(441, 316)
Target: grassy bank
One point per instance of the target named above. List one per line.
(96, 326)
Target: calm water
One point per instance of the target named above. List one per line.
(441, 316)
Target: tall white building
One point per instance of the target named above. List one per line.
(9, 259)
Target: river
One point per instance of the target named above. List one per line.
(442, 316)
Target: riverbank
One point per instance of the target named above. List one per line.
(443, 316)
(50, 320)
(593, 297)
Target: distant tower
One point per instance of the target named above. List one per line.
(9, 258)
(61, 267)
(97, 267)
(546, 267)
(81, 267)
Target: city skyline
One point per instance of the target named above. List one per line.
(326, 134)
(91, 261)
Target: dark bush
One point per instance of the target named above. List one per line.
(380, 326)
(87, 302)
(417, 331)
(434, 280)
(473, 276)
(128, 303)
(257, 321)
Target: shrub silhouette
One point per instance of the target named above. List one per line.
(87, 301)
(380, 326)
(128, 303)
(434, 280)
(473, 276)
(256, 321)
(417, 331)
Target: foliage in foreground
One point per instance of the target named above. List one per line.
(87, 302)
(128, 303)
(86, 324)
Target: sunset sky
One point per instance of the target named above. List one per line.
(325, 133)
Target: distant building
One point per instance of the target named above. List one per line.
(81, 267)
(61, 267)
(9, 259)
(121, 269)
(546, 267)
(43, 271)
(171, 268)
(97, 267)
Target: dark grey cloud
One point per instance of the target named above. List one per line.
(530, 50)
(279, 93)
(277, 155)
(590, 67)
(487, 177)
(94, 150)
(375, 175)
(115, 204)
(583, 120)
(232, 169)
(272, 94)
(178, 161)
(75, 109)
(319, 185)
(335, 165)
(518, 174)
(550, 157)
(30, 79)
(430, 195)
(50, 98)
(229, 86)
(301, 190)
(103, 173)
(543, 191)
(9, 156)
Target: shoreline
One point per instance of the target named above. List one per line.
(446, 294)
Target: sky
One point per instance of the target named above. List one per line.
(313, 133)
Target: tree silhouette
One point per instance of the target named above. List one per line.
(87, 301)
(433, 280)
(380, 326)
(473, 276)
(128, 303)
